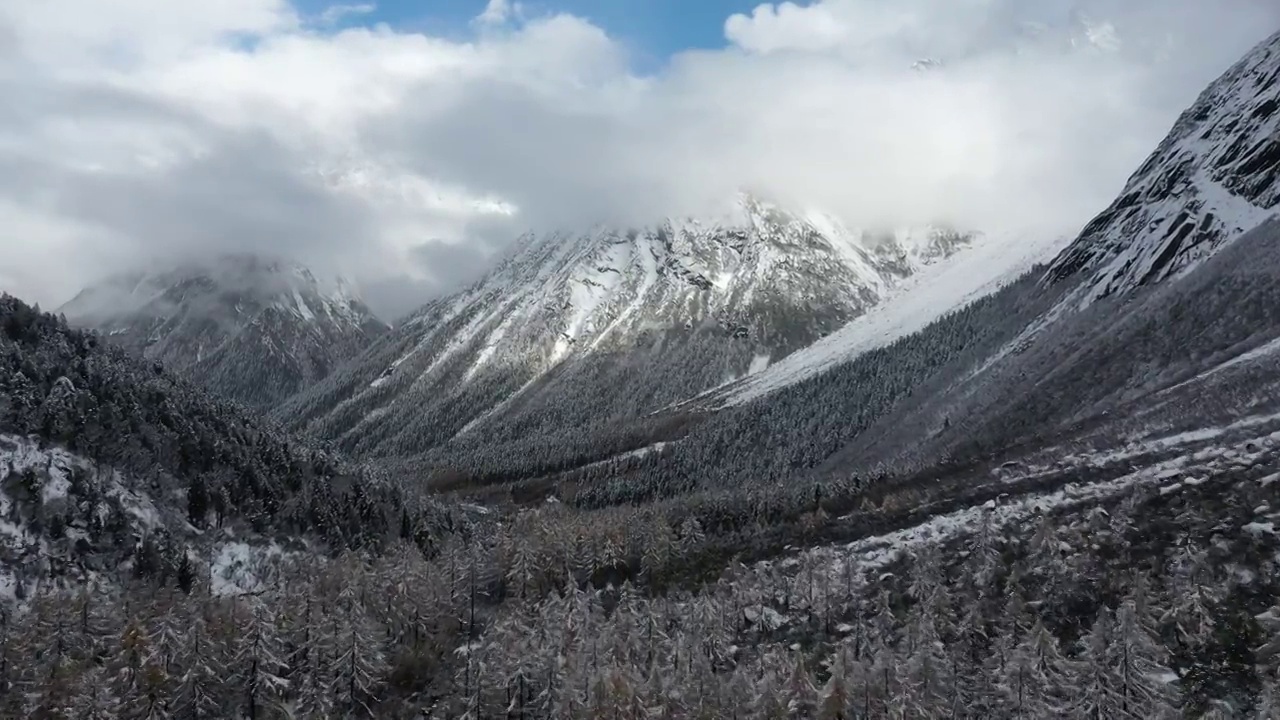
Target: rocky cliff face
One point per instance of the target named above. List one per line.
(1212, 179)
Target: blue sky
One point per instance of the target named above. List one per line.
(652, 29)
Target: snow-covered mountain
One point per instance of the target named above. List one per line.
(665, 312)
(562, 294)
(1211, 180)
(991, 263)
(253, 328)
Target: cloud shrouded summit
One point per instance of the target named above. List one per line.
(146, 129)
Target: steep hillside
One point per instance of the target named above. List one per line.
(250, 328)
(993, 263)
(1185, 353)
(1167, 314)
(935, 385)
(587, 330)
(1134, 356)
(1216, 176)
(109, 464)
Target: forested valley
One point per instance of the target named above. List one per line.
(758, 468)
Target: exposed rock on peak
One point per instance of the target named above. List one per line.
(257, 329)
(1211, 180)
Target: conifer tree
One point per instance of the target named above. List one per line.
(884, 624)
(1046, 567)
(770, 701)
(1035, 681)
(799, 692)
(835, 698)
(926, 679)
(310, 661)
(1095, 678)
(256, 666)
(522, 572)
(1143, 688)
(92, 698)
(141, 683)
(358, 662)
(198, 692)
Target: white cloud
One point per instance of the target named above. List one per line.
(786, 26)
(144, 127)
(86, 35)
(337, 13)
(497, 12)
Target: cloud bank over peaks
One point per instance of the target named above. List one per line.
(408, 158)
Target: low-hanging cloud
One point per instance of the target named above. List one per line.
(145, 129)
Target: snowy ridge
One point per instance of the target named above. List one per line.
(559, 295)
(1211, 180)
(985, 267)
(252, 280)
(620, 322)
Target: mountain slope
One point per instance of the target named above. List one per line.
(1194, 351)
(1167, 311)
(1214, 177)
(894, 394)
(105, 459)
(1071, 370)
(930, 295)
(253, 329)
(604, 327)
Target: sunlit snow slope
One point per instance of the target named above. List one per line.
(986, 266)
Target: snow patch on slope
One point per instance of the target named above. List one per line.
(985, 267)
(239, 568)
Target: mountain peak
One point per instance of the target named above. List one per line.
(232, 319)
(657, 314)
(1211, 180)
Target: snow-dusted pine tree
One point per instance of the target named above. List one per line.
(140, 680)
(1139, 660)
(199, 691)
(1035, 680)
(358, 661)
(92, 698)
(926, 673)
(1096, 682)
(836, 697)
(257, 666)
